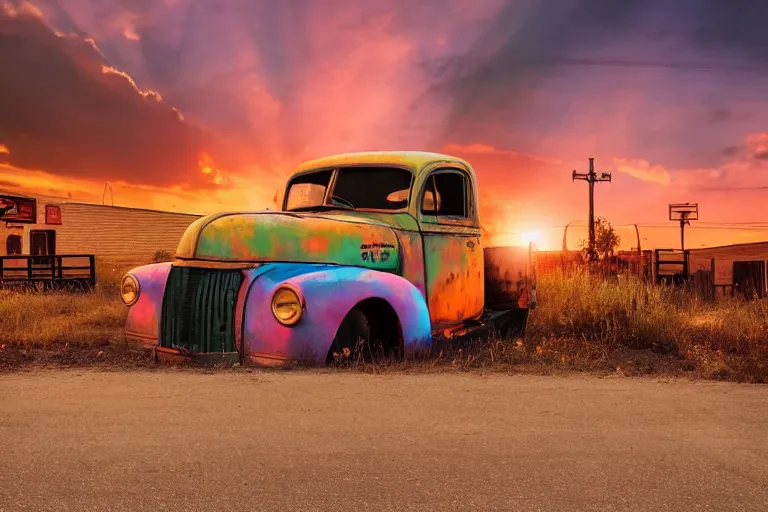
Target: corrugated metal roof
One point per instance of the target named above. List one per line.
(58, 200)
(16, 194)
(748, 245)
(128, 208)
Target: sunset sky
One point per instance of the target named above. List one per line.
(204, 105)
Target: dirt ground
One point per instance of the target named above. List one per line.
(197, 440)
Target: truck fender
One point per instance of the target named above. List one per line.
(142, 323)
(328, 293)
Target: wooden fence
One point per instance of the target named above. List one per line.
(670, 267)
(623, 263)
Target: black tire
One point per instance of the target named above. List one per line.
(516, 324)
(352, 342)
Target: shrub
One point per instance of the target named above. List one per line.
(162, 256)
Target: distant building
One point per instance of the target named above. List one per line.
(131, 235)
(723, 258)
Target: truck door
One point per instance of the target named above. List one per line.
(453, 256)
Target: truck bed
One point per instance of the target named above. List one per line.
(510, 277)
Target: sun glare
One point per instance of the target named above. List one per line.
(533, 236)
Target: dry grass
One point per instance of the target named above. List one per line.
(624, 326)
(582, 323)
(36, 320)
(727, 338)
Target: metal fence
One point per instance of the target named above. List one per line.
(48, 271)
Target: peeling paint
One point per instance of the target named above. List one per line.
(431, 274)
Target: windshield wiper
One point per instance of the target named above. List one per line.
(338, 199)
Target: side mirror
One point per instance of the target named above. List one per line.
(398, 196)
(428, 205)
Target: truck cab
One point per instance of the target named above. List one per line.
(371, 254)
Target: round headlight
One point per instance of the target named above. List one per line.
(129, 289)
(287, 306)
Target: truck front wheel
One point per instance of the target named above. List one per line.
(369, 331)
(352, 341)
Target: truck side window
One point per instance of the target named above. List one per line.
(450, 188)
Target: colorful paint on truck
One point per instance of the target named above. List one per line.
(371, 254)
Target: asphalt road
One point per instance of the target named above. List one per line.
(318, 441)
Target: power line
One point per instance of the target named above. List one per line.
(632, 226)
(626, 63)
(759, 224)
(710, 228)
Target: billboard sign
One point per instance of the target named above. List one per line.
(52, 214)
(18, 209)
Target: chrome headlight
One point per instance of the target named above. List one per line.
(129, 289)
(287, 306)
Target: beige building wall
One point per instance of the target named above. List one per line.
(724, 258)
(128, 235)
(116, 233)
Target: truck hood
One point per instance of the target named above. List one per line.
(340, 239)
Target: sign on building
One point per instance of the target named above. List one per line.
(52, 214)
(18, 209)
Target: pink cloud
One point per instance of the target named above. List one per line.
(477, 149)
(642, 170)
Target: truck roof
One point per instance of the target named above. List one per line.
(412, 159)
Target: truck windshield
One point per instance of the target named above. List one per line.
(365, 188)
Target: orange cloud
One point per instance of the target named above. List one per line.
(278, 86)
(642, 170)
(149, 93)
(125, 23)
(145, 93)
(67, 112)
(90, 42)
(758, 145)
(758, 141)
(245, 192)
(208, 167)
(4, 150)
(19, 9)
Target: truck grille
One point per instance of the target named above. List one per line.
(198, 311)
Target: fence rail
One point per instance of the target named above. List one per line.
(622, 263)
(748, 277)
(49, 271)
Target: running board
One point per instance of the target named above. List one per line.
(510, 323)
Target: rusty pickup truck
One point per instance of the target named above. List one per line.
(371, 254)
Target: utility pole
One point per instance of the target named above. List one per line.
(684, 213)
(107, 186)
(591, 177)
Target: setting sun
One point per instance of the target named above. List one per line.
(536, 237)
